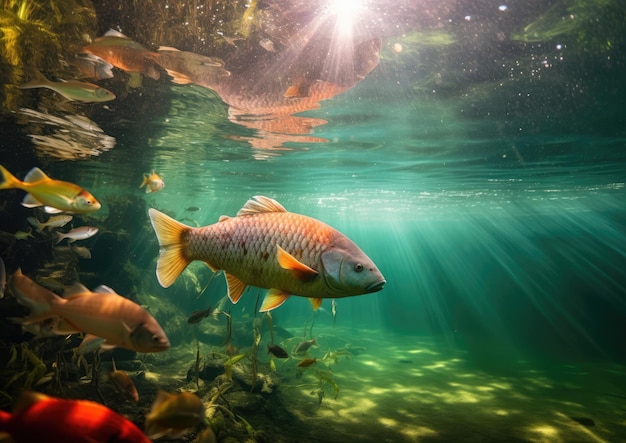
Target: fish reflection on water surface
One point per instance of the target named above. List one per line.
(299, 54)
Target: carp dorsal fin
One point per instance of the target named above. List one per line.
(35, 175)
(74, 290)
(301, 271)
(259, 204)
(235, 287)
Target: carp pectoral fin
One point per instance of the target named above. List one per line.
(273, 299)
(211, 267)
(235, 287)
(301, 271)
(316, 303)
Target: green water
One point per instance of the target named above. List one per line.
(482, 168)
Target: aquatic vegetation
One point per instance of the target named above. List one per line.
(39, 34)
(24, 369)
(228, 365)
(593, 25)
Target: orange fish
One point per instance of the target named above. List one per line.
(116, 320)
(37, 417)
(268, 247)
(123, 53)
(55, 195)
(152, 182)
(123, 383)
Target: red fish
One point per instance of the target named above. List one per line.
(268, 247)
(37, 417)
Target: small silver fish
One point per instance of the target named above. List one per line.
(57, 221)
(304, 346)
(82, 251)
(80, 233)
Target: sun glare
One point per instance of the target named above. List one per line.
(345, 12)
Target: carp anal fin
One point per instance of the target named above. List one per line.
(235, 287)
(273, 299)
(259, 204)
(301, 271)
(316, 303)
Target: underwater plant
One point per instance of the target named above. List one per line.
(39, 34)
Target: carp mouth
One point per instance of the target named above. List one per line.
(375, 287)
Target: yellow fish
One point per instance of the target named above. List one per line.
(152, 182)
(267, 247)
(56, 195)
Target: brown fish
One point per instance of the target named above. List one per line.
(188, 67)
(173, 414)
(268, 247)
(306, 362)
(277, 351)
(123, 53)
(198, 316)
(103, 313)
(123, 383)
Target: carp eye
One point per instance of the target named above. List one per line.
(358, 267)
